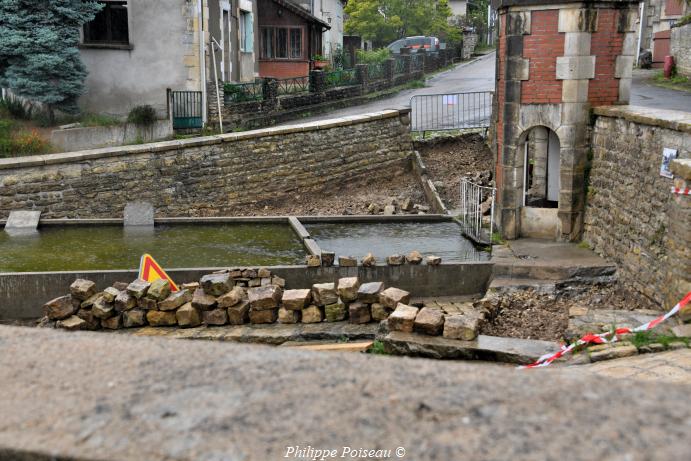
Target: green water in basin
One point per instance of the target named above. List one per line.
(442, 239)
(71, 248)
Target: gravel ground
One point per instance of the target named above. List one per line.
(530, 315)
(353, 199)
(448, 159)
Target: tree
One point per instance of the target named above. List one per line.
(39, 59)
(384, 21)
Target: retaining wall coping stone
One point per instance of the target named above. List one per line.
(69, 157)
(670, 119)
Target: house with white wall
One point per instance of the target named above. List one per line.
(330, 12)
(135, 50)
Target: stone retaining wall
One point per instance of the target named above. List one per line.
(630, 209)
(680, 45)
(207, 176)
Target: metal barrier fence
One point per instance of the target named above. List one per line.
(242, 92)
(342, 77)
(186, 107)
(293, 85)
(438, 112)
(473, 206)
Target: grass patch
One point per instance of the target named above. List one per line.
(676, 82)
(497, 240)
(16, 141)
(415, 84)
(644, 338)
(98, 120)
(377, 348)
(584, 245)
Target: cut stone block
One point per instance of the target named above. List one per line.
(215, 317)
(89, 302)
(147, 303)
(249, 274)
(391, 297)
(134, 318)
(59, 308)
(359, 313)
(139, 214)
(348, 288)
(264, 316)
(278, 281)
(324, 293)
(403, 318)
(296, 299)
(433, 260)
(159, 290)
(336, 312)
(264, 298)
(110, 293)
(379, 312)
(161, 318)
(188, 316)
(112, 323)
(464, 326)
(125, 301)
(102, 309)
(233, 297)
(239, 314)
(368, 293)
(613, 352)
(203, 301)
(429, 322)
(138, 288)
(313, 261)
(328, 258)
(288, 315)
(92, 322)
(175, 300)
(82, 289)
(347, 261)
(216, 284)
(263, 273)
(414, 257)
(369, 260)
(312, 314)
(23, 219)
(395, 260)
(72, 323)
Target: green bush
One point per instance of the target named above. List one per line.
(142, 115)
(15, 142)
(373, 56)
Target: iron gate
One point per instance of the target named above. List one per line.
(454, 111)
(475, 200)
(186, 109)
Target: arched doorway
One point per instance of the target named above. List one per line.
(541, 183)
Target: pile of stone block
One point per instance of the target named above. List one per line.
(435, 320)
(328, 259)
(229, 297)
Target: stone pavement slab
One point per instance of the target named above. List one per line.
(97, 396)
(670, 366)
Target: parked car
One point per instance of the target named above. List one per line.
(415, 43)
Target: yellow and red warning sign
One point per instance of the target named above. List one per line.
(150, 270)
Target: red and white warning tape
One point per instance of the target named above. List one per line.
(608, 337)
(681, 190)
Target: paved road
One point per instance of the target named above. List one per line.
(649, 95)
(107, 396)
(477, 75)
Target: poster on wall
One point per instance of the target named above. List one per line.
(667, 156)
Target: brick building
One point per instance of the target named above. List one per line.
(555, 62)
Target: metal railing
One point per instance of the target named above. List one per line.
(473, 207)
(416, 62)
(242, 92)
(375, 71)
(186, 109)
(399, 67)
(457, 111)
(293, 85)
(342, 77)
